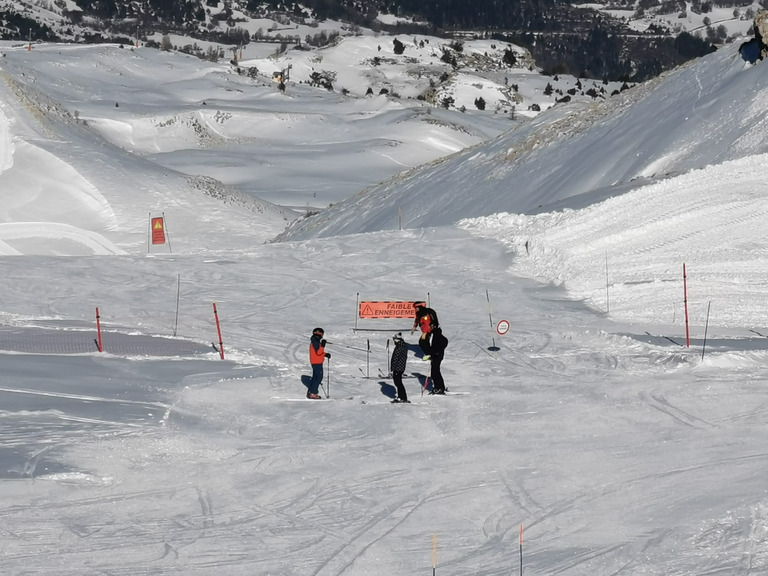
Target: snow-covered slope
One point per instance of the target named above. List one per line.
(624, 256)
(590, 423)
(710, 111)
(205, 145)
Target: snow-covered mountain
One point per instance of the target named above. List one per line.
(617, 427)
(108, 95)
(708, 112)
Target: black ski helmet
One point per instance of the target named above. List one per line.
(318, 332)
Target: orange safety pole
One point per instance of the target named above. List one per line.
(218, 328)
(98, 330)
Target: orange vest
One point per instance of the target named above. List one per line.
(316, 357)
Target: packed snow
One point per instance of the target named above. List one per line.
(618, 427)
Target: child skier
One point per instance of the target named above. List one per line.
(317, 356)
(397, 365)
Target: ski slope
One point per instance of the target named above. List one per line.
(616, 447)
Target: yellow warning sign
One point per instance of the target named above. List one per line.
(388, 309)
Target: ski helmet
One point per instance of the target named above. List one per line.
(318, 332)
(398, 337)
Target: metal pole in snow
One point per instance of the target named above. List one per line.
(706, 326)
(521, 550)
(167, 233)
(178, 292)
(607, 300)
(685, 302)
(345, 346)
(490, 319)
(368, 359)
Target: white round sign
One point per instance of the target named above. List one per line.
(502, 327)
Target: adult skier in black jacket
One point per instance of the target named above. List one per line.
(439, 344)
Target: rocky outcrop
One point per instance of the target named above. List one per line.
(761, 32)
(757, 48)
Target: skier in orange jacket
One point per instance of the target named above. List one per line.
(317, 356)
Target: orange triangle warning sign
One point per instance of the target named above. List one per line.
(158, 230)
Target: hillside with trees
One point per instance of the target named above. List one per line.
(562, 38)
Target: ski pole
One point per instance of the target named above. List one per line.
(328, 391)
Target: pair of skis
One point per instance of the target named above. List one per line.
(423, 388)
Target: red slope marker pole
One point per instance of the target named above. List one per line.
(368, 359)
(685, 301)
(521, 550)
(98, 330)
(218, 328)
(706, 327)
(426, 380)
